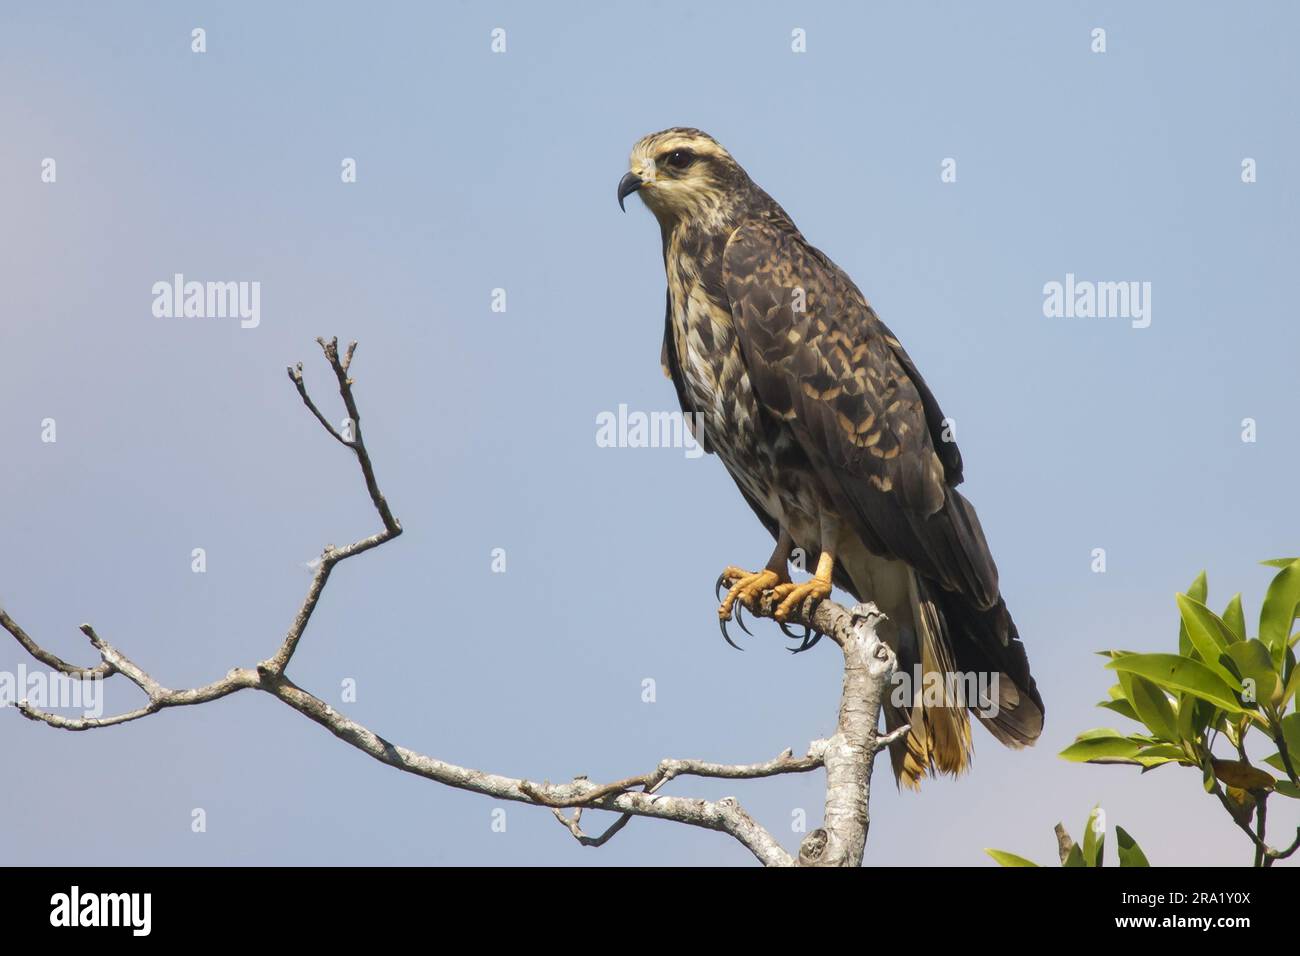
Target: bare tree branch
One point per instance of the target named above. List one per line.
(847, 755)
(1265, 855)
(102, 669)
(295, 375)
(572, 824)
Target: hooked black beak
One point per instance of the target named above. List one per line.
(629, 184)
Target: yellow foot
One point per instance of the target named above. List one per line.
(745, 587)
(790, 596)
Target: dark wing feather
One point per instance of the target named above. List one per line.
(856, 404)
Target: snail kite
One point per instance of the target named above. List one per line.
(835, 441)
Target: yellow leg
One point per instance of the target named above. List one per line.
(792, 595)
(745, 587)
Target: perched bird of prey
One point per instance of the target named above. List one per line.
(834, 440)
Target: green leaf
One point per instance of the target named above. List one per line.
(1151, 704)
(1121, 707)
(1094, 837)
(1150, 763)
(1197, 592)
(1279, 610)
(1208, 634)
(1166, 751)
(1235, 617)
(1287, 788)
(1279, 562)
(1181, 673)
(1255, 664)
(1102, 746)
(1207, 715)
(1292, 685)
(1009, 859)
(1130, 854)
(1075, 858)
(1189, 729)
(1098, 732)
(1291, 735)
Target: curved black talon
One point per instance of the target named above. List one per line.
(785, 629)
(809, 642)
(722, 623)
(717, 588)
(740, 619)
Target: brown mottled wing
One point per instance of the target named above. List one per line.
(857, 406)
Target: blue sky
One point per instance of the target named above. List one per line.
(479, 171)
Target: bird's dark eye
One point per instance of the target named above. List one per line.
(680, 158)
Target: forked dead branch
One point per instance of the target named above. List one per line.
(846, 756)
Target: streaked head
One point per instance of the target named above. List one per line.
(683, 175)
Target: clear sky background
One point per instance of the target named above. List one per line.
(479, 171)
